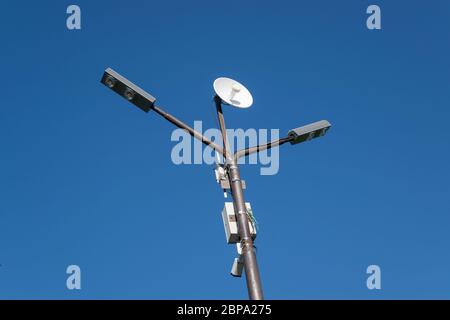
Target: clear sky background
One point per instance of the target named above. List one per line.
(87, 179)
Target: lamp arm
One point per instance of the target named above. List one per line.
(245, 152)
(180, 124)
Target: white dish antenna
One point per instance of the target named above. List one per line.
(233, 93)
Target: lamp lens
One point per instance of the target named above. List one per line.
(129, 94)
(110, 82)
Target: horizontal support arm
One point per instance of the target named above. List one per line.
(188, 129)
(248, 151)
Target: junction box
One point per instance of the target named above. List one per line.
(230, 223)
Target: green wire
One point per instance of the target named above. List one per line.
(253, 220)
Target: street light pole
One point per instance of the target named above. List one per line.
(252, 276)
(146, 102)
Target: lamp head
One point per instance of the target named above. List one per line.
(128, 90)
(308, 132)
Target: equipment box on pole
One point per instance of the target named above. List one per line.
(230, 224)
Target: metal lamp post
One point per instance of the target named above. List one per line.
(146, 102)
(252, 276)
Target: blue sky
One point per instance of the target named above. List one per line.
(87, 179)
